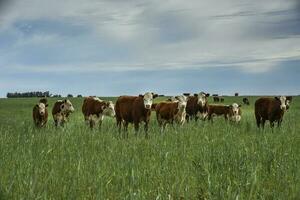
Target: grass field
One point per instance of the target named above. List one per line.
(197, 161)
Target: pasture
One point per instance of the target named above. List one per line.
(199, 160)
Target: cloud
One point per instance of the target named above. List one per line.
(86, 37)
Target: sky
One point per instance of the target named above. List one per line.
(119, 47)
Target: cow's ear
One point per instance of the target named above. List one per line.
(140, 95)
(195, 94)
(277, 98)
(46, 105)
(207, 95)
(155, 95)
(186, 94)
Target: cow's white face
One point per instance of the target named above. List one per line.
(148, 100)
(181, 106)
(235, 109)
(202, 99)
(110, 109)
(42, 108)
(283, 102)
(182, 101)
(67, 106)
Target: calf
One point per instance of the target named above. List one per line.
(232, 112)
(61, 111)
(134, 109)
(271, 109)
(40, 113)
(197, 106)
(170, 111)
(94, 110)
(235, 113)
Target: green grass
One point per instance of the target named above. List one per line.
(197, 161)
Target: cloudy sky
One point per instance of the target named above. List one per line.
(114, 47)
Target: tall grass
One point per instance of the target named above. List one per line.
(200, 160)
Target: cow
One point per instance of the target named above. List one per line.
(272, 109)
(233, 112)
(40, 113)
(168, 112)
(196, 106)
(61, 111)
(222, 99)
(246, 101)
(134, 109)
(216, 99)
(94, 110)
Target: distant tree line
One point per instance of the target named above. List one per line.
(28, 94)
(36, 94)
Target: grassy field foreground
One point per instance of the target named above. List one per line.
(197, 161)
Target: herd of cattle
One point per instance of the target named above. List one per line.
(177, 109)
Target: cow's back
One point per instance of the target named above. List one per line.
(56, 107)
(88, 106)
(192, 106)
(268, 108)
(124, 106)
(166, 110)
(139, 112)
(263, 106)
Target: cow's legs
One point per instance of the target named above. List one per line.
(136, 128)
(258, 121)
(263, 121)
(279, 123)
(125, 129)
(225, 117)
(56, 122)
(146, 129)
(92, 123)
(187, 117)
(272, 123)
(210, 118)
(119, 125)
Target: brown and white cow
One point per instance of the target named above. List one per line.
(61, 111)
(40, 113)
(233, 112)
(170, 111)
(134, 109)
(94, 110)
(272, 109)
(197, 106)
